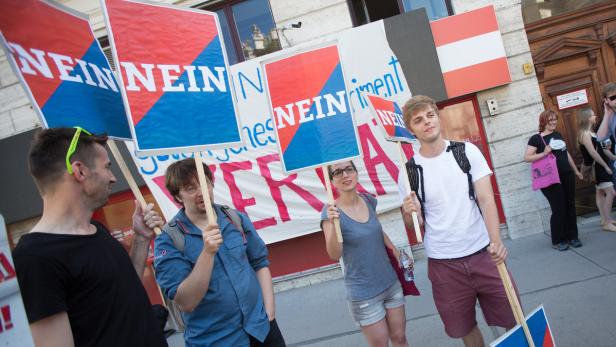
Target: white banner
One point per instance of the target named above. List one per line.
(250, 178)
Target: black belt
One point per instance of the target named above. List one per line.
(484, 249)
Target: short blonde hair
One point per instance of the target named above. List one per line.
(415, 104)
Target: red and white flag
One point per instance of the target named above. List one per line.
(471, 52)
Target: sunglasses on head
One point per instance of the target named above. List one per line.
(73, 147)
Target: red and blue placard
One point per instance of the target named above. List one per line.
(389, 117)
(539, 329)
(175, 76)
(62, 67)
(310, 109)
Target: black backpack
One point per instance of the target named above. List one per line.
(415, 173)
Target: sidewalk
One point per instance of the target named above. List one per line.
(577, 288)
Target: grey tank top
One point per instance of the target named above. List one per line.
(368, 271)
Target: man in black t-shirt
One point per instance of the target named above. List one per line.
(79, 286)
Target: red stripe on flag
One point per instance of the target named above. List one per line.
(477, 77)
(464, 25)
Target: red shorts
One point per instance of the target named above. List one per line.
(457, 284)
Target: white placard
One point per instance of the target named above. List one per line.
(14, 328)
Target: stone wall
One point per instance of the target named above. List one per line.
(520, 103)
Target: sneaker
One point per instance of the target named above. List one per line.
(562, 246)
(575, 243)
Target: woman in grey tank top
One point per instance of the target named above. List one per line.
(373, 290)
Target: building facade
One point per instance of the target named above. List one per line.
(256, 27)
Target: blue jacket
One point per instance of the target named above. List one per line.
(233, 306)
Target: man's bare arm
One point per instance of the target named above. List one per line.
(53, 331)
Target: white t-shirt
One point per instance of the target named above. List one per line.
(453, 223)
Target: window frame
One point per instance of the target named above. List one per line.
(400, 8)
(226, 6)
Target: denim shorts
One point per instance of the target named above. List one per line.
(370, 311)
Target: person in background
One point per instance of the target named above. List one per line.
(374, 293)
(560, 196)
(593, 151)
(607, 128)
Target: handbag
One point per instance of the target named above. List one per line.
(408, 288)
(544, 171)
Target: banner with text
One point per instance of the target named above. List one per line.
(62, 67)
(250, 177)
(175, 77)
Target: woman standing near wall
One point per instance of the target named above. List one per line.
(592, 151)
(374, 293)
(561, 196)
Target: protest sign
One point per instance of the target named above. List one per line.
(60, 63)
(310, 109)
(175, 80)
(250, 177)
(14, 328)
(540, 330)
(388, 116)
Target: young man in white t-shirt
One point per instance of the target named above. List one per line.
(462, 243)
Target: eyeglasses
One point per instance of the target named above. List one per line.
(73, 147)
(338, 172)
(612, 98)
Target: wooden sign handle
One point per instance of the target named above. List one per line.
(330, 200)
(129, 177)
(136, 192)
(408, 189)
(207, 200)
(513, 301)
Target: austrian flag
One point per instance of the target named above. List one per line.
(470, 50)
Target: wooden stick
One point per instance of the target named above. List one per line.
(513, 301)
(330, 200)
(137, 193)
(211, 214)
(129, 177)
(408, 189)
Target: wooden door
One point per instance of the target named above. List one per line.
(575, 52)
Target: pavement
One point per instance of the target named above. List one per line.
(577, 288)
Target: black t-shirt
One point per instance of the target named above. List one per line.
(562, 161)
(90, 277)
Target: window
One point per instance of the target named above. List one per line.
(366, 11)
(248, 29)
(436, 8)
(534, 10)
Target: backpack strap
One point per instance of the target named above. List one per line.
(176, 232)
(415, 174)
(234, 217)
(459, 154)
